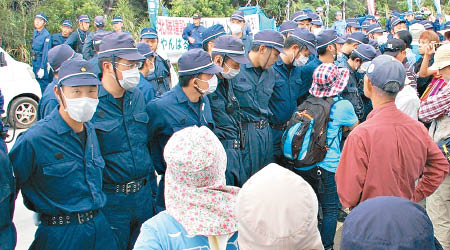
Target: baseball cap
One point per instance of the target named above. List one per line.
(232, 47)
(306, 38)
(326, 37)
(394, 46)
(77, 72)
(196, 61)
(270, 38)
(366, 52)
(119, 45)
(385, 69)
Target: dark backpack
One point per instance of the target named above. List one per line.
(304, 141)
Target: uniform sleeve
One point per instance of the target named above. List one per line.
(156, 138)
(186, 32)
(22, 157)
(71, 40)
(344, 113)
(351, 171)
(47, 46)
(87, 51)
(48, 108)
(7, 200)
(435, 171)
(148, 238)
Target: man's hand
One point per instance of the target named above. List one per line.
(40, 73)
(191, 40)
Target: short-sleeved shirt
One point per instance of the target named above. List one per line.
(164, 232)
(342, 114)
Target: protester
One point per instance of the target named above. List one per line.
(388, 223)
(330, 81)
(427, 42)
(200, 207)
(58, 167)
(435, 108)
(389, 153)
(229, 53)
(265, 227)
(193, 32)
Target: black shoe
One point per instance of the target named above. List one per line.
(341, 215)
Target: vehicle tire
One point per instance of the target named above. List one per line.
(23, 110)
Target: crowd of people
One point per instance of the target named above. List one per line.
(262, 142)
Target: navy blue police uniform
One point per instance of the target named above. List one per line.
(40, 46)
(8, 235)
(58, 38)
(144, 85)
(77, 39)
(195, 32)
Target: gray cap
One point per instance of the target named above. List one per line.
(232, 47)
(385, 69)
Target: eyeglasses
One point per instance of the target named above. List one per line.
(131, 66)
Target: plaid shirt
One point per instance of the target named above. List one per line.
(329, 80)
(436, 105)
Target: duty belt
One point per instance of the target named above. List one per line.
(278, 126)
(74, 218)
(127, 188)
(231, 144)
(259, 124)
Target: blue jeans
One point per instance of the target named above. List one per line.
(325, 187)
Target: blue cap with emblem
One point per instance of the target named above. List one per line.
(117, 19)
(212, 33)
(119, 45)
(99, 21)
(366, 52)
(326, 37)
(77, 72)
(353, 22)
(269, 38)
(67, 23)
(306, 38)
(427, 24)
(84, 18)
(59, 54)
(41, 16)
(232, 47)
(386, 69)
(315, 19)
(395, 21)
(342, 39)
(288, 27)
(144, 49)
(300, 16)
(196, 61)
(374, 28)
(365, 24)
(148, 33)
(238, 15)
(358, 37)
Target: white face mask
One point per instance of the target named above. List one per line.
(364, 66)
(302, 60)
(130, 78)
(235, 28)
(153, 69)
(212, 83)
(382, 40)
(80, 109)
(317, 31)
(231, 72)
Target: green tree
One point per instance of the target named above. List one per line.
(208, 8)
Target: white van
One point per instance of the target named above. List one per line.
(20, 90)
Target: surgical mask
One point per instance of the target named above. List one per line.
(302, 60)
(231, 72)
(80, 109)
(317, 31)
(364, 66)
(130, 78)
(382, 40)
(212, 83)
(235, 28)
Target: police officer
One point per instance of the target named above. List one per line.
(352, 26)
(66, 30)
(229, 53)
(117, 23)
(210, 35)
(327, 53)
(8, 233)
(148, 67)
(253, 87)
(39, 48)
(58, 166)
(288, 85)
(287, 27)
(56, 56)
(121, 122)
(161, 77)
(88, 47)
(77, 39)
(238, 29)
(353, 40)
(96, 41)
(183, 106)
(193, 32)
(3, 129)
(302, 19)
